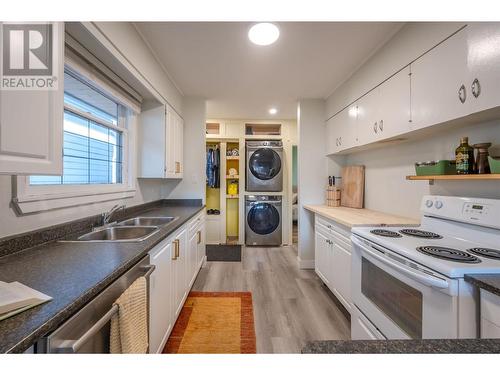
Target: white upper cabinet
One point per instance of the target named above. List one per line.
(483, 62)
(161, 139)
(341, 130)
(382, 113)
(439, 88)
(179, 143)
(170, 142)
(174, 141)
(31, 124)
(369, 114)
(455, 79)
(394, 105)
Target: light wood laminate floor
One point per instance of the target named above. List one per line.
(291, 306)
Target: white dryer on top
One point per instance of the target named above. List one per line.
(264, 166)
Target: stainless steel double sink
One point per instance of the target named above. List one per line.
(132, 230)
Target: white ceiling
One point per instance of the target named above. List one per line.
(241, 80)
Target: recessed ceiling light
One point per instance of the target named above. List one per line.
(273, 111)
(263, 34)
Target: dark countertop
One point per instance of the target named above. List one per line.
(445, 346)
(491, 282)
(72, 273)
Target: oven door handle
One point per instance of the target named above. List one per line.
(425, 279)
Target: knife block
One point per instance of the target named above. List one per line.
(333, 195)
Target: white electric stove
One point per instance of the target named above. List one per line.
(407, 282)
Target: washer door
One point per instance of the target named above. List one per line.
(263, 218)
(265, 164)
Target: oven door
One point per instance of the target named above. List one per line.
(403, 299)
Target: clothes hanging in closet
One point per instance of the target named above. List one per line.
(213, 167)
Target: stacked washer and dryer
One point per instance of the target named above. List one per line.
(264, 174)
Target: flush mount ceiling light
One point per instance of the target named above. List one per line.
(263, 34)
(273, 111)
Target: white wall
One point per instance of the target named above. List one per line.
(312, 170)
(386, 188)
(409, 43)
(192, 186)
(123, 37)
(11, 224)
(147, 190)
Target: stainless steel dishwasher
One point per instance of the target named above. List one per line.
(88, 330)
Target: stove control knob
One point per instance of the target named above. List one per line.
(439, 204)
(428, 203)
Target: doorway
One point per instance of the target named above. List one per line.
(295, 206)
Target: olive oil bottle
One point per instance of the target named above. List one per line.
(464, 156)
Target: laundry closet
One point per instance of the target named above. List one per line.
(232, 147)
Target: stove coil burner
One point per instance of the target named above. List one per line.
(420, 233)
(484, 252)
(385, 233)
(448, 254)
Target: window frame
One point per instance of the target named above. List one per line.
(35, 198)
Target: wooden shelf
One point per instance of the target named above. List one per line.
(232, 157)
(458, 177)
(234, 177)
(232, 196)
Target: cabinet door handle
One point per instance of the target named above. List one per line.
(375, 129)
(174, 252)
(199, 237)
(176, 248)
(476, 88)
(462, 94)
(381, 125)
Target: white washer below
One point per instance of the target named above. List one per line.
(263, 220)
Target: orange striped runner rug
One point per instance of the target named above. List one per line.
(214, 322)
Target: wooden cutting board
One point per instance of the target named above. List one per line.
(353, 186)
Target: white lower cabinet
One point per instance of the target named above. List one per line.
(490, 315)
(177, 265)
(201, 250)
(179, 277)
(341, 271)
(160, 301)
(333, 258)
(322, 254)
(196, 248)
(213, 229)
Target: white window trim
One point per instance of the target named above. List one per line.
(29, 199)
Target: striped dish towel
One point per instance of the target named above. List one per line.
(129, 327)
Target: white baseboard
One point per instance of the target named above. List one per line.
(305, 264)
